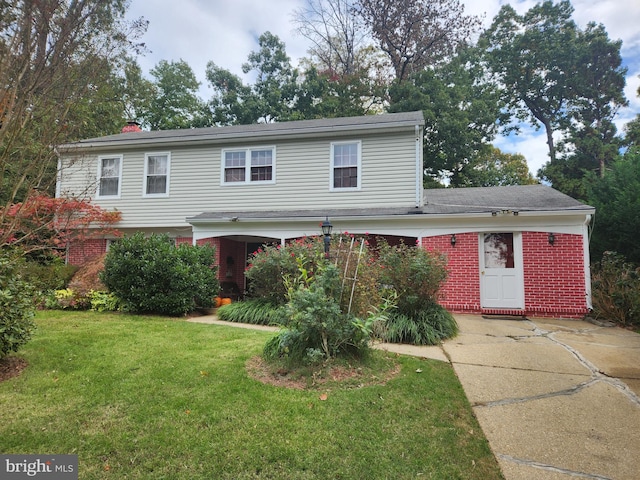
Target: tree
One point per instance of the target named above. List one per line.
(493, 168)
(42, 223)
(616, 198)
(54, 57)
(632, 131)
(174, 103)
(269, 99)
(554, 74)
(337, 35)
(417, 33)
(460, 114)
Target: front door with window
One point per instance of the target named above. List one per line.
(501, 273)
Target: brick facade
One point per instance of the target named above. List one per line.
(79, 253)
(554, 276)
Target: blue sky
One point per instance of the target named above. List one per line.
(226, 31)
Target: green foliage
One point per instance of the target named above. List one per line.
(462, 114)
(616, 198)
(52, 275)
(558, 76)
(316, 327)
(492, 168)
(104, 301)
(428, 326)
(269, 266)
(256, 311)
(17, 307)
(616, 290)
(151, 275)
(415, 274)
(174, 102)
(70, 299)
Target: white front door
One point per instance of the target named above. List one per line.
(501, 272)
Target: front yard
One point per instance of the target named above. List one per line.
(151, 397)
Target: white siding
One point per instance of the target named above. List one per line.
(302, 180)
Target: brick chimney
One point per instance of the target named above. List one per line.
(131, 126)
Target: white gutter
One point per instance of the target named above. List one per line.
(587, 261)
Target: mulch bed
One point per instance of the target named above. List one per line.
(11, 367)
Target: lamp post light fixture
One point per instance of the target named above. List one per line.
(552, 238)
(326, 231)
(453, 240)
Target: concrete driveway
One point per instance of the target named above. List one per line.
(557, 399)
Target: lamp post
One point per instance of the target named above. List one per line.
(326, 231)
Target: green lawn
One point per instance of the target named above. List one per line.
(159, 398)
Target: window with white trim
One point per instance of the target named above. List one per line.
(345, 165)
(249, 165)
(109, 176)
(156, 174)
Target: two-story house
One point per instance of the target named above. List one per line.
(511, 250)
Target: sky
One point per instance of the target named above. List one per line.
(226, 31)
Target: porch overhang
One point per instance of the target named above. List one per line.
(405, 222)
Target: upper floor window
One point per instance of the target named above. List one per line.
(109, 176)
(156, 174)
(249, 165)
(345, 165)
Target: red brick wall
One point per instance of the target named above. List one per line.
(554, 282)
(80, 252)
(461, 291)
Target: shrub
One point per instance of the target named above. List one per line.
(50, 275)
(415, 274)
(150, 275)
(428, 326)
(316, 327)
(17, 307)
(68, 299)
(616, 290)
(269, 266)
(257, 311)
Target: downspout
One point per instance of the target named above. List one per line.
(587, 261)
(419, 187)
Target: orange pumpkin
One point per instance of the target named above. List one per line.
(217, 301)
(225, 301)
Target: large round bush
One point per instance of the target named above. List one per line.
(151, 275)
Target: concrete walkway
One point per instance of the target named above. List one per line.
(556, 399)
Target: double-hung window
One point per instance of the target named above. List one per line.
(346, 165)
(248, 165)
(109, 176)
(156, 174)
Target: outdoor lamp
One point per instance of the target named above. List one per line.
(326, 231)
(552, 238)
(453, 240)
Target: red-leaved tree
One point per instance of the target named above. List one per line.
(43, 223)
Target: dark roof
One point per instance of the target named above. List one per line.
(521, 198)
(445, 201)
(294, 128)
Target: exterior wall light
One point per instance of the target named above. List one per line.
(453, 240)
(552, 238)
(326, 231)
